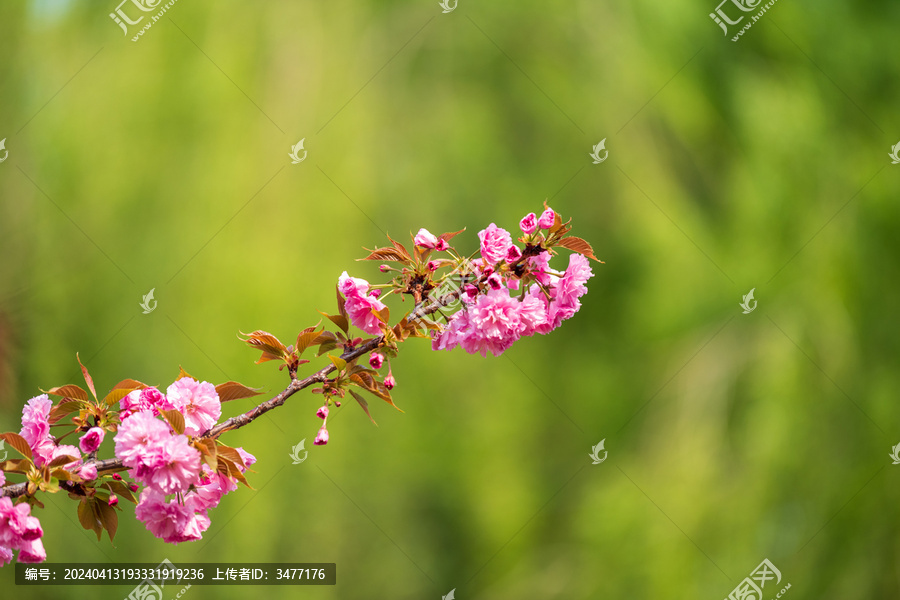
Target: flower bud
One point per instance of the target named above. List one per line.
(134, 487)
(547, 219)
(442, 245)
(495, 282)
(389, 381)
(113, 499)
(384, 268)
(528, 224)
(91, 440)
(321, 437)
(322, 413)
(374, 293)
(376, 360)
(470, 290)
(426, 239)
(117, 477)
(514, 254)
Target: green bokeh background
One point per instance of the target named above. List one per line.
(732, 438)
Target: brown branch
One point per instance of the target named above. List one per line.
(112, 465)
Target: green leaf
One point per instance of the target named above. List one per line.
(232, 390)
(175, 419)
(18, 443)
(69, 391)
(338, 362)
(364, 405)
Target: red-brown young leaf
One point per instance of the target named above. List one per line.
(17, 465)
(448, 236)
(340, 302)
(400, 248)
(62, 460)
(116, 395)
(108, 518)
(62, 409)
(389, 254)
(87, 377)
(175, 419)
(69, 391)
(306, 339)
(268, 343)
(340, 320)
(87, 517)
(576, 244)
(130, 384)
(18, 443)
(232, 390)
(230, 453)
(364, 405)
(182, 374)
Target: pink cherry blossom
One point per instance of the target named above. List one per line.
(36, 427)
(91, 440)
(360, 307)
(148, 398)
(426, 239)
(322, 413)
(138, 436)
(198, 402)
(495, 243)
(494, 324)
(533, 311)
(376, 360)
(171, 521)
(6, 555)
(571, 285)
(170, 467)
(32, 552)
(88, 472)
(547, 219)
(20, 531)
(210, 488)
(528, 224)
(442, 245)
(539, 266)
(66, 450)
(352, 286)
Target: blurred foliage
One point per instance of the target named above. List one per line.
(758, 164)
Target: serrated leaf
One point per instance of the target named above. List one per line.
(364, 405)
(18, 443)
(387, 254)
(232, 390)
(305, 339)
(231, 454)
(400, 248)
(448, 236)
(108, 518)
(384, 315)
(61, 475)
(182, 374)
(69, 391)
(340, 320)
(62, 409)
(175, 419)
(271, 346)
(86, 515)
(87, 376)
(116, 395)
(338, 362)
(120, 489)
(16, 465)
(62, 460)
(133, 384)
(576, 244)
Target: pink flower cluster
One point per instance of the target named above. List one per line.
(19, 531)
(361, 305)
(167, 464)
(492, 321)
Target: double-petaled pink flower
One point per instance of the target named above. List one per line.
(360, 305)
(495, 244)
(198, 402)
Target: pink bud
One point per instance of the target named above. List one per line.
(547, 219)
(113, 499)
(134, 487)
(337, 403)
(384, 268)
(322, 413)
(389, 381)
(376, 360)
(528, 224)
(495, 282)
(374, 293)
(487, 270)
(442, 245)
(470, 290)
(91, 440)
(117, 477)
(514, 254)
(88, 472)
(433, 265)
(321, 437)
(426, 239)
